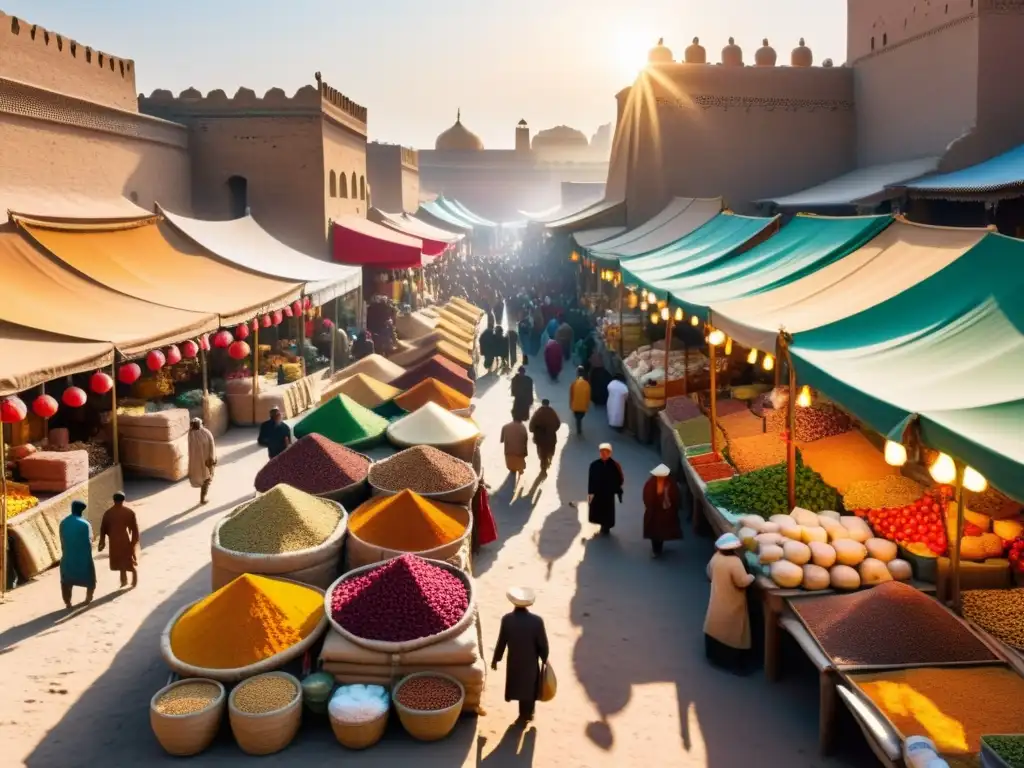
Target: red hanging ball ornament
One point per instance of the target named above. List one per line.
(190, 349)
(296, 307)
(155, 360)
(204, 342)
(309, 329)
(278, 317)
(74, 397)
(265, 321)
(254, 325)
(173, 355)
(238, 350)
(288, 312)
(100, 383)
(129, 374)
(242, 331)
(308, 302)
(44, 406)
(12, 410)
(222, 339)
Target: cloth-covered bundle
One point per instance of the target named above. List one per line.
(35, 546)
(162, 426)
(53, 471)
(216, 417)
(164, 460)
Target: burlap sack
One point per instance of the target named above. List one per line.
(160, 427)
(69, 467)
(32, 555)
(163, 460)
(472, 676)
(463, 649)
(216, 417)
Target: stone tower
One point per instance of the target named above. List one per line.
(522, 137)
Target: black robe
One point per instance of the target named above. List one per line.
(522, 396)
(524, 635)
(604, 483)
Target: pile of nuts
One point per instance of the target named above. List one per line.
(1000, 612)
(422, 469)
(890, 492)
(282, 520)
(749, 454)
(264, 693)
(428, 694)
(187, 699)
(314, 464)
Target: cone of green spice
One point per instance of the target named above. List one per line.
(344, 421)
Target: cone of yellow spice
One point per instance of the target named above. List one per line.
(407, 522)
(245, 622)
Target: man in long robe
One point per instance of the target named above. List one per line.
(604, 484)
(523, 634)
(202, 458)
(522, 395)
(618, 393)
(544, 425)
(122, 528)
(77, 568)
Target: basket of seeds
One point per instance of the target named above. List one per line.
(425, 470)
(429, 704)
(265, 712)
(185, 716)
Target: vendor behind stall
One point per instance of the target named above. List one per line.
(726, 624)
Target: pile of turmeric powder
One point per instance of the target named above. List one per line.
(408, 522)
(246, 621)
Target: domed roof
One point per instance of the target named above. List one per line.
(659, 54)
(802, 56)
(458, 138)
(695, 53)
(765, 56)
(732, 54)
(560, 136)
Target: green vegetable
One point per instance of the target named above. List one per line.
(764, 492)
(1009, 748)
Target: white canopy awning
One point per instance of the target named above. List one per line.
(679, 218)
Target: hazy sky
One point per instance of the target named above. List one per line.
(414, 63)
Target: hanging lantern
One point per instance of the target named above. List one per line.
(238, 350)
(308, 303)
(296, 308)
(74, 397)
(679, 314)
(155, 360)
(254, 325)
(768, 363)
(632, 301)
(189, 349)
(278, 317)
(694, 321)
(204, 342)
(173, 355)
(288, 312)
(643, 306)
(943, 469)
(129, 374)
(265, 321)
(100, 383)
(895, 454)
(574, 257)
(728, 346)
(651, 298)
(309, 329)
(44, 407)
(803, 400)
(242, 331)
(664, 313)
(715, 338)
(222, 339)
(974, 480)
(12, 410)
(655, 317)
(752, 357)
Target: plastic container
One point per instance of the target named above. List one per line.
(919, 752)
(269, 732)
(186, 735)
(432, 725)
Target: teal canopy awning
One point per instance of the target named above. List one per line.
(690, 256)
(1002, 173)
(439, 216)
(948, 351)
(463, 212)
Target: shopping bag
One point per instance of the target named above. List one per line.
(548, 683)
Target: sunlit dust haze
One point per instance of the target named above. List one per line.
(413, 64)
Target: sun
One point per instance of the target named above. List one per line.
(629, 50)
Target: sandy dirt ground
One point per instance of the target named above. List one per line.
(625, 632)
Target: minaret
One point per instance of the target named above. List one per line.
(522, 137)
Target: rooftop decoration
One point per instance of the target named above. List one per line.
(695, 53)
(458, 138)
(732, 54)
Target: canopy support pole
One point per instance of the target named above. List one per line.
(255, 369)
(668, 348)
(115, 448)
(206, 377)
(302, 335)
(334, 332)
(790, 428)
(713, 381)
(46, 422)
(686, 367)
(955, 544)
(3, 516)
(622, 300)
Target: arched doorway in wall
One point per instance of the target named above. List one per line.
(238, 192)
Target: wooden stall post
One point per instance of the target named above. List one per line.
(255, 369)
(334, 332)
(622, 300)
(954, 565)
(302, 335)
(668, 347)
(790, 431)
(115, 450)
(713, 379)
(206, 375)
(3, 515)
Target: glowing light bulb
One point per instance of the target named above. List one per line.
(943, 470)
(752, 357)
(895, 454)
(694, 321)
(679, 314)
(651, 298)
(728, 346)
(664, 313)
(715, 338)
(655, 317)
(974, 480)
(804, 398)
(768, 363)
(643, 306)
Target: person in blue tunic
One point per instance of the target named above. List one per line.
(77, 568)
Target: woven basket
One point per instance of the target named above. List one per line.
(239, 673)
(359, 735)
(274, 565)
(351, 496)
(361, 553)
(187, 735)
(269, 732)
(463, 449)
(462, 495)
(319, 575)
(432, 725)
(383, 646)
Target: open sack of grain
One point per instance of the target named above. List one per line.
(285, 533)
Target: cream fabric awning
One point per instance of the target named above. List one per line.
(244, 243)
(29, 357)
(51, 203)
(40, 292)
(595, 237)
(153, 262)
(676, 220)
(901, 256)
